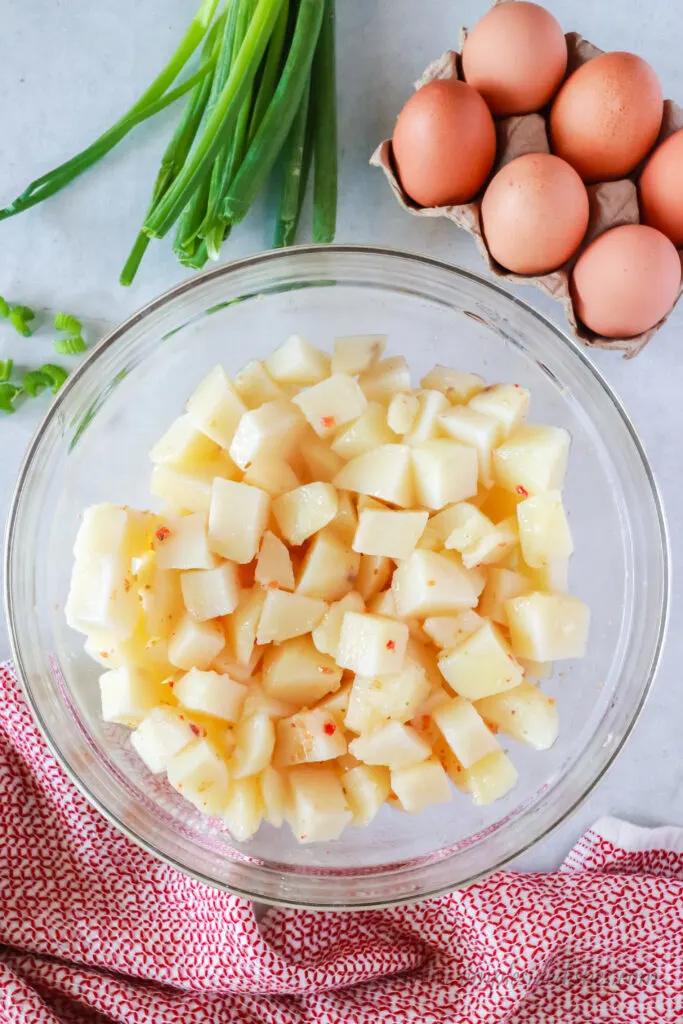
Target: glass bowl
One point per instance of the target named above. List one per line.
(93, 447)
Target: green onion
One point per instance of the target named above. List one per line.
(66, 322)
(323, 92)
(296, 167)
(271, 70)
(4, 308)
(19, 315)
(6, 366)
(69, 346)
(56, 375)
(34, 382)
(281, 112)
(8, 392)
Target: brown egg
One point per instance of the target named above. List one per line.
(626, 281)
(516, 57)
(607, 115)
(444, 144)
(534, 213)
(660, 189)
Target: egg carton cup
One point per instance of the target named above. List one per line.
(611, 203)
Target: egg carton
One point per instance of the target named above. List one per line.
(611, 203)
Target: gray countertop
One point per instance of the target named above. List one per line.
(69, 69)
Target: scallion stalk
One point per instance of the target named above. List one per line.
(324, 99)
(297, 162)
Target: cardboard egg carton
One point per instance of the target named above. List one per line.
(612, 203)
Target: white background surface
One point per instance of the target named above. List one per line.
(68, 69)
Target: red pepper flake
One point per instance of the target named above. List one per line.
(391, 645)
(424, 722)
(302, 836)
(272, 584)
(126, 585)
(513, 712)
(431, 583)
(522, 491)
(162, 533)
(194, 728)
(510, 657)
(181, 717)
(328, 421)
(329, 728)
(104, 654)
(171, 683)
(325, 669)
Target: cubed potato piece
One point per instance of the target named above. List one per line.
(337, 703)
(345, 522)
(476, 429)
(548, 627)
(544, 533)
(329, 568)
(499, 504)
(308, 736)
(356, 353)
(243, 810)
(183, 446)
(385, 473)
(275, 796)
(128, 694)
(210, 593)
(114, 531)
(212, 694)
(481, 665)
(297, 673)
(160, 596)
(429, 583)
(421, 785)
(449, 630)
(304, 511)
(371, 645)
(237, 520)
(183, 491)
(241, 626)
(162, 734)
(361, 715)
(553, 576)
(365, 434)
(183, 543)
(320, 809)
(538, 670)
(255, 386)
(254, 745)
(195, 644)
(200, 774)
(274, 565)
(389, 534)
(273, 430)
(479, 541)
(501, 586)
(215, 407)
(491, 778)
(288, 615)
(296, 361)
(384, 604)
(227, 664)
(326, 635)
(331, 404)
(532, 460)
(445, 472)
(507, 403)
(458, 387)
(394, 745)
(374, 574)
(270, 473)
(320, 461)
(525, 713)
(402, 412)
(384, 378)
(366, 787)
(431, 404)
(465, 731)
(101, 596)
(398, 697)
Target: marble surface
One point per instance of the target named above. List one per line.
(69, 69)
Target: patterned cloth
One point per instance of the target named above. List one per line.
(93, 929)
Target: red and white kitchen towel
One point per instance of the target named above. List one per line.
(93, 929)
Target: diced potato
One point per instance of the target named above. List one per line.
(274, 795)
(237, 520)
(538, 670)
(491, 778)
(288, 615)
(162, 734)
(394, 745)
(243, 810)
(421, 785)
(195, 644)
(254, 745)
(384, 378)
(113, 531)
(274, 565)
(465, 731)
(183, 544)
(215, 407)
(241, 626)
(361, 715)
(273, 430)
(356, 353)
(329, 568)
(101, 596)
(477, 429)
(384, 604)
(532, 460)
(320, 810)
(308, 736)
(345, 522)
(429, 583)
(551, 576)
(402, 412)
(507, 403)
(337, 704)
(458, 387)
(331, 404)
(449, 762)
(129, 694)
(449, 630)
(481, 665)
(296, 361)
(399, 696)
(548, 627)
(371, 645)
(525, 713)
(270, 473)
(384, 473)
(326, 635)
(183, 446)
(368, 432)
(296, 672)
(227, 664)
(258, 702)
(211, 693)
(426, 425)
(544, 533)
(501, 586)
(499, 504)
(255, 386)
(374, 573)
(387, 533)
(304, 511)
(200, 774)
(320, 461)
(366, 787)
(479, 541)
(445, 472)
(210, 593)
